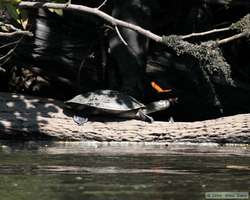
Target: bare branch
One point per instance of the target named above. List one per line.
(205, 33)
(6, 55)
(120, 36)
(103, 3)
(2, 69)
(116, 22)
(234, 37)
(10, 52)
(19, 32)
(9, 27)
(93, 11)
(8, 44)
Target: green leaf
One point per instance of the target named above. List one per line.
(13, 2)
(4, 28)
(51, 10)
(57, 11)
(17, 1)
(1, 5)
(24, 18)
(13, 11)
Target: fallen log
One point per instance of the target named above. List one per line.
(26, 117)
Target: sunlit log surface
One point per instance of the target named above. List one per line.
(25, 117)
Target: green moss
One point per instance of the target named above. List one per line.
(208, 55)
(211, 64)
(243, 25)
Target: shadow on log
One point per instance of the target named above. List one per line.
(25, 117)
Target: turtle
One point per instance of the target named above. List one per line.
(113, 103)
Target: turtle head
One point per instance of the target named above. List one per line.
(173, 100)
(164, 104)
(159, 105)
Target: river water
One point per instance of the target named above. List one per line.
(114, 171)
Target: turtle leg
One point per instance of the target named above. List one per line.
(143, 116)
(80, 120)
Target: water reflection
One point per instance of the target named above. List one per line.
(44, 170)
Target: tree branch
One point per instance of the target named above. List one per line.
(8, 44)
(116, 22)
(93, 11)
(10, 52)
(232, 38)
(6, 55)
(103, 3)
(15, 33)
(120, 36)
(205, 33)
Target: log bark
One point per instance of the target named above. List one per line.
(26, 117)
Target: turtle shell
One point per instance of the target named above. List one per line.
(107, 100)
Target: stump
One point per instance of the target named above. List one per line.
(26, 117)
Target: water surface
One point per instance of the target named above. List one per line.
(76, 171)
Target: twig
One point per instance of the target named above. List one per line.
(6, 55)
(229, 39)
(19, 32)
(9, 44)
(10, 51)
(2, 69)
(120, 36)
(9, 26)
(15, 31)
(103, 3)
(205, 33)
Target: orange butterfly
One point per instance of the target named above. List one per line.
(158, 88)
